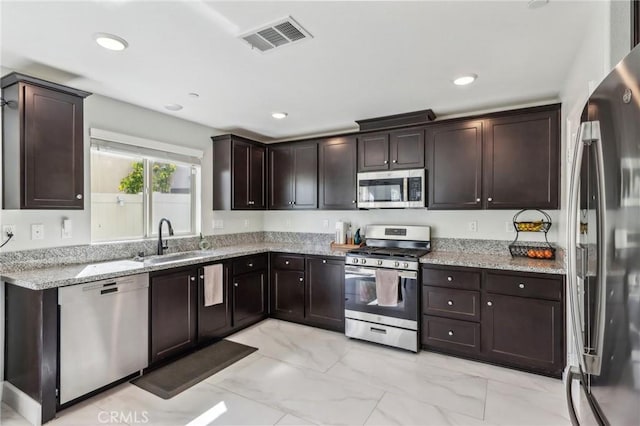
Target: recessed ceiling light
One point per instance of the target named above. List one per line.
(463, 80)
(173, 107)
(279, 115)
(193, 95)
(110, 41)
(537, 4)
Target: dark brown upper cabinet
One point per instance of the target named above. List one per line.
(293, 176)
(239, 174)
(337, 173)
(521, 159)
(399, 149)
(454, 164)
(43, 144)
(635, 23)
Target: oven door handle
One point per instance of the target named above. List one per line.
(371, 272)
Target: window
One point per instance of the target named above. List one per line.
(132, 189)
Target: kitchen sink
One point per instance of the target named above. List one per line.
(169, 258)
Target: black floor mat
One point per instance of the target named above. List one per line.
(170, 380)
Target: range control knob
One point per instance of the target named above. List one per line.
(379, 262)
(363, 261)
(355, 261)
(396, 264)
(406, 265)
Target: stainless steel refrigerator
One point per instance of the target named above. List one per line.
(603, 255)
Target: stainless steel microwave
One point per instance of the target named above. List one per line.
(392, 189)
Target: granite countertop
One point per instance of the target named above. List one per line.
(494, 261)
(60, 276)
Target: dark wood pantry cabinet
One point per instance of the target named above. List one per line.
(43, 144)
(293, 176)
(454, 163)
(173, 306)
(239, 174)
(399, 149)
(337, 173)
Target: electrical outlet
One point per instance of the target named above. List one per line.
(37, 231)
(473, 226)
(67, 228)
(325, 223)
(8, 229)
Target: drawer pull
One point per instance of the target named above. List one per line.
(450, 302)
(378, 330)
(324, 261)
(286, 262)
(301, 279)
(489, 303)
(250, 265)
(521, 285)
(449, 278)
(450, 333)
(192, 278)
(202, 277)
(235, 284)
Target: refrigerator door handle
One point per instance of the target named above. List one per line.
(585, 128)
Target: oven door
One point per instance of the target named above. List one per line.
(360, 294)
(395, 189)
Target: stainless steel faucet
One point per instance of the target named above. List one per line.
(163, 245)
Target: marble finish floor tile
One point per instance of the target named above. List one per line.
(88, 413)
(510, 405)
(289, 420)
(8, 417)
(493, 372)
(449, 389)
(295, 344)
(304, 393)
(403, 410)
(202, 404)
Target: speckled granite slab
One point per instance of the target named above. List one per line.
(60, 276)
(494, 261)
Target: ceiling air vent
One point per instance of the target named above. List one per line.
(280, 33)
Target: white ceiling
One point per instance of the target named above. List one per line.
(366, 59)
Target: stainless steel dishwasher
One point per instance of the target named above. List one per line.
(104, 329)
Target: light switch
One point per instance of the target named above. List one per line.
(67, 228)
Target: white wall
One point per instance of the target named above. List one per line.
(109, 114)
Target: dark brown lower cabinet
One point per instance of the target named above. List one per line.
(516, 319)
(523, 332)
(249, 298)
(309, 292)
(213, 321)
(324, 298)
(173, 306)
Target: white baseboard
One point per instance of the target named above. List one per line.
(22, 403)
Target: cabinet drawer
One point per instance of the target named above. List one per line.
(524, 285)
(461, 336)
(288, 261)
(450, 303)
(451, 278)
(248, 264)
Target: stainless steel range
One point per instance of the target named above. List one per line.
(382, 288)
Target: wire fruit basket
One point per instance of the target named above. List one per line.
(531, 250)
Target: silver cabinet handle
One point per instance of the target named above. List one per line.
(250, 265)
(324, 261)
(449, 278)
(386, 161)
(79, 196)
(293, 202)
(202, 277)
(251, 203)
(450, 302)
(286, 262)
(489, 199)
(235, 284)
(450, 333)
(521, 285)
(301, 279)
(192, 278)
(489, 303)
(395, 161)
(477, 200)
(353, 201)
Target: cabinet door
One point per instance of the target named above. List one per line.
(287, 294)
(523, 332)
(280, 178)
(407, 149)
(454, 163)
(257, 177)
(173, 308)
(305, 175)
(337, 173)
(373, 152)
(240, 174)
(249, 298)
(521, 161)
(53, 176)
(213, 321)
(324, 305)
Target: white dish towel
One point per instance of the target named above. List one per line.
(213, 285)
(387, 287)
